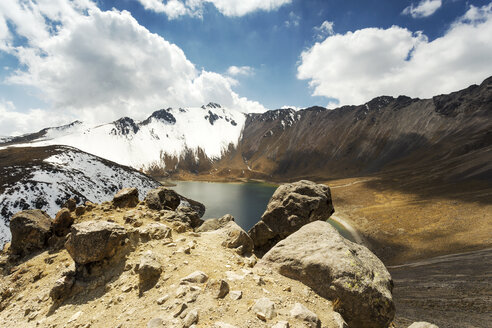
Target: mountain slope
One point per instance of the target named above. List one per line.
(46, 177)
(384, 134)
(166, 135)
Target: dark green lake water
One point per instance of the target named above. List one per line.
(245, 201)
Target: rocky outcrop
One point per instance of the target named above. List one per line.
(126, 197)
(337, 269)
(162, 199)
(93, 241)
(30, 231)
(291, 206)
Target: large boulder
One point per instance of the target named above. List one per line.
(126, 197)
(30, 231)
(93, 241)
(233, 236)
(292, 206)
(337, 269)
(162, 199)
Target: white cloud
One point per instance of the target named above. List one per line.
(425, 8)
(233, 8)
(240, 70)
(13, 123)
(100, 65)
(294, 20)
(357, 66)
(326, 28)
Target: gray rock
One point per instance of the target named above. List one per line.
(234, 237)
(215, 224)
(336, 268)
(196, 277)
(162, 299)
(154, 231)
(281, 324)
(62, 288)
(218, 288)
(62, 222)
(338, 320)
(126, 197)
(93, 241)
(292, 206)
(265, 308)
(190, 319)
(162, 198)
(149, 270)
(300, 312)
(188, 214)
(30, 231)
(422, 324)
(155, 323)
(235, 295)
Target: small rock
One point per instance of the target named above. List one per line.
(162, 198)
(422, 324)
(155, 323)
(126, 288)
(80, 210)
(126, 197)
(265, 307)
(300, 312)
(220, 324)
(75, 317)
(62, 222)
(235, 295)
(281, 324)
(163, 299)
(190, 319)
(218, 288)
(196, 277)
(149, 270)
(71, 204)
(181, 307)
(215, 224)
(340, 323)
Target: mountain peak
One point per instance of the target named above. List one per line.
(161, 115)
(211, 105)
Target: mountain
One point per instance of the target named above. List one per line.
(162, 139)
(448, 134)
(45, 177)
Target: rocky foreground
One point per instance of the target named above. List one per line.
(155, 263)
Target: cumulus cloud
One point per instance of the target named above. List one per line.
(98, 65)
(424, 8)
(233, 8)
(14, 123)
(240, 70)
(357, 66)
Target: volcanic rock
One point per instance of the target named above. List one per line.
(30, 231)
(337, 269)
(126, 197)
(93, 241)
(162, 198)
(292, 206)
(62, 222)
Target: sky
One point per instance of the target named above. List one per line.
(97, 61)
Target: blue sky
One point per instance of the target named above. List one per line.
(375, 47)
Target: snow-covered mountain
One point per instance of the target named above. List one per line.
(172, 132)
(45, 177)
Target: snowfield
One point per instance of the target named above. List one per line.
(68, 173)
